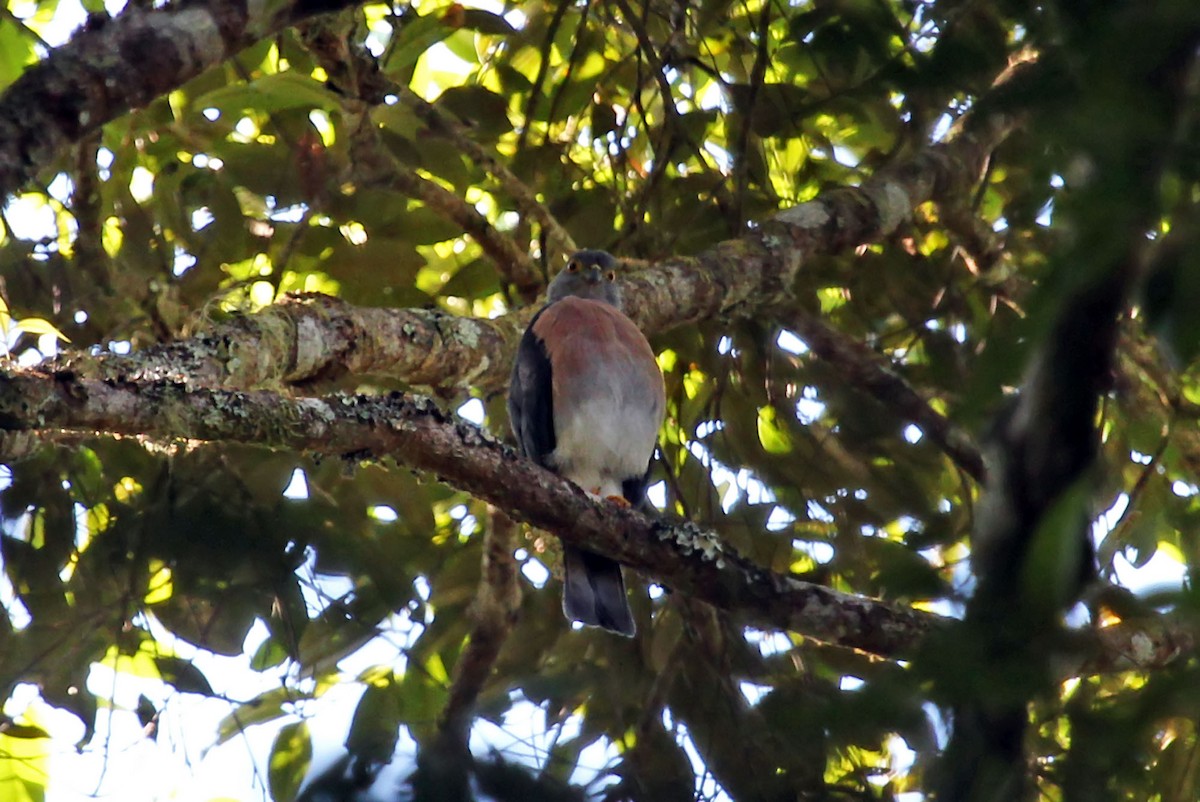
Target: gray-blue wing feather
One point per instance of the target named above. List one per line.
(530, 398)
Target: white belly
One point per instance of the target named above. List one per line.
(604, 443)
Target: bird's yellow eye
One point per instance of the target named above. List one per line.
(611, 275)
(572, 267)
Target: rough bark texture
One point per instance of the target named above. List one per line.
(1141, 645)
(309, 338)
(108, 69)
(313, 337)
(416, 433)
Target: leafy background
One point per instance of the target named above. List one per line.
(308, 163)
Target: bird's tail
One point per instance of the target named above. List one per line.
(594, 591)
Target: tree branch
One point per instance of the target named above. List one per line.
(107, 70)
(867, 370)
(375, 165)
(494, 611)
(1031, 547)
(358, 77)
(416, 433)
(673, 129)
(527, 204)
(312, 338)
(1139, 645)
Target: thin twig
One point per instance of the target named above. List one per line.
(741, 170)
(374, 164)
(868, 371)
(535, 92)
(561, 242)
(494, 611)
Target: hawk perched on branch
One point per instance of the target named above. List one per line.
(586, 401)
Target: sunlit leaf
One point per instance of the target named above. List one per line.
(265, 707)
(274, 92)
(269, 654)
(291, 756)
(25, 748)
(16, 51)
(775, 440)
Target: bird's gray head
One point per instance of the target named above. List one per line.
(589, 274)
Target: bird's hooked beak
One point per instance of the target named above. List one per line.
(593, 275)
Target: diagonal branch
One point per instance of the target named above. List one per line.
(870, 372)
(417, 434)
(300, 341)
(493, 612)
(375, 165)
(107, 70)
(559, 239)
(359, 79)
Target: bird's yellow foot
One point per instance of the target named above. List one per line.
(619, 500)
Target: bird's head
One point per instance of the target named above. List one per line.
(589, 274)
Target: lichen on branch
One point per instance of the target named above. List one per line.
(415, 432)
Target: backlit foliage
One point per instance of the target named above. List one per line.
(650, 129)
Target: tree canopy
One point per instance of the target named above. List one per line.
(921, 277)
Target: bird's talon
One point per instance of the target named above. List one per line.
(620, 501)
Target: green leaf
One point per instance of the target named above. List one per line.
(475, 280)
(485, 111)
(476, 19)
(274, 92)
(269, 654)
(327, 640)
(220, 626)
(141, 662)
(291, 756)
(417, 36)
(422, 699)
(16, 52)
(183, 675)
(37, 326)
(1171, 296)
(375, 728)
(903, 573)
(1051, 570)
(564, 757)
(774, 439)
(265, 707)
(778, 109)
(24, 763)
